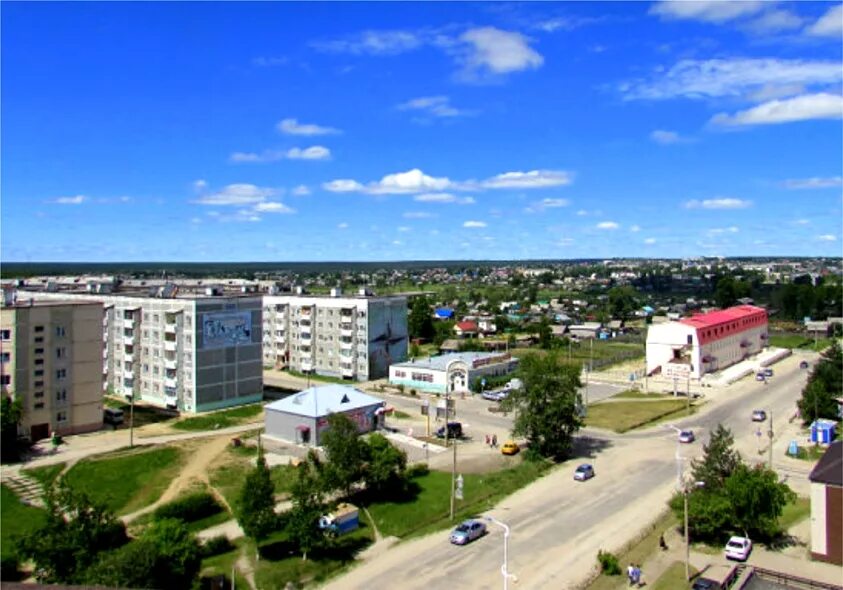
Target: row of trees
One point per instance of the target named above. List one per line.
(824, 387)
(373, 465)
(731, 497)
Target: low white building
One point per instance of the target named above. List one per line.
(708, 342)
(451, 373)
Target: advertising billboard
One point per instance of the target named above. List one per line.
(228, 328)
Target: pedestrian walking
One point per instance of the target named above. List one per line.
(488, 441)
(494, 441)
(630, 569)
(636, 575)
(662, 544)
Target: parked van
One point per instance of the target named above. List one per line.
(112, 416)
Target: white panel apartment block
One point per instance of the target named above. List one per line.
(350, 337)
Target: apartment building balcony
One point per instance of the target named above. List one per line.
(171, 398)
(346, 332)
(105, 368)
(280, 338)
(105, 353)
(128, 340)
(128, 373)
(128, 391)
(306, 365)
(305, 312)
(349, 345)
(346, 352)
(347, 371)
(170, 328)
(171, 382)
(171, 345)
(171, 364)
(128, 323)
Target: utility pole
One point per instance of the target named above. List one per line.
(132, 420)
(687, 540)
(770, 433)
(688, 393)
(453, 478)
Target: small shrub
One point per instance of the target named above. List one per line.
(216, 546)
(417, 470)
(608, 563)
(400, 388)
(189, 508)
(413, 392)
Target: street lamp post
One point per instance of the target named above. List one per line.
(505, 567)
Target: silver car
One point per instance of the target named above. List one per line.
(467, 531)
(584, 472)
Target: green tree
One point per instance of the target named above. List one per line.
(757, 500)
(545, 334)
(302, 520)
(346, 453)
(75, 531)
(256, 506)
(386, 468)
(420, 319)
(547, 406)
(719, 460)
(11, 412)
(443, 330)
(709, 513)
(824, 385)
(166, 555)
(724, 292)
(623, 301)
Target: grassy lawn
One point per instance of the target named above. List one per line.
(810, 452)
(795, 512)
(222, 564)
(429, 510)
(798, 341)
(399, 415)
(228, 477)
(673, 577)
(221, 419)
(635, 394)
(625, 416)
(15, 519)
(602, 350)
(126, 481)
(45, 475)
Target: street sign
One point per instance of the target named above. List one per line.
(676, 370)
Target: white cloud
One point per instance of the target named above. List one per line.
(404, 228)
(301, 191)
(396, 242)
(774, 21)
(771, 91)
(531, 179)
(418, 215)
(273, 207)
(237, 194)
(374, 43)
(582, 212)
(716, 231)
(607, 225)
(495, 51)
(474, 224)
(199, 185)
(718, 203)
(635, 228)
(343, 185)
(547, 203)
(411, 181)
(710, 11)
(664, 137)
(800, 108)
(443, 198)
(77, 200)
(814, 182)
(342, 225)
(714, 78)
(828, 25)
(650, 241)
(433, 106)
(268, 62)
(802, 222)
(827, 238)
(316, 152)
(293, 127)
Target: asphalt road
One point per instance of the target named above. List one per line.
(558, 524)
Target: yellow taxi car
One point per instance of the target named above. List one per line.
(510, 448)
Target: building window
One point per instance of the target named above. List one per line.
(38, 394)
(61, 416)
(39, 351)
(61, 395)
(60, 331)
(61, 353)
(38, 406)
(5, 379)
(39, 372)
(39, 361)
(61, 373)
(39, 328)
(5, 335)
(39, 339)
(5, 357)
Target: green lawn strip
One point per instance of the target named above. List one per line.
(228, 478)
(45, 475)
(221, 419)
(640, 395)
(809, 453)
(428, 512)
(798, 341)
(126, 481)
(16, 518)
(673, 577)
(283, 476)
(209, 521)
(795, 512)
(637, 551)
(223, 563)
(399, 415)
(624, 416)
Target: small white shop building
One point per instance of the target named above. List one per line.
(303, 417)
(451, 373)
(708, 342)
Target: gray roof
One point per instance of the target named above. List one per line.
(440, 363)
(323, 400)
(829, 469)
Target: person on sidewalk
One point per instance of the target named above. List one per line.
(630, 569)
(636, 575)
(494, 441)
(488, 441)
(662, 544)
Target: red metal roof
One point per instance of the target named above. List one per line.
(467, 326)
(726, 322)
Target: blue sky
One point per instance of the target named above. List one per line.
(396, 131)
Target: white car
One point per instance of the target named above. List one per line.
(738, 548)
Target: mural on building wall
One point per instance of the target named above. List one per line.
(223, 329)
(388, 333)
